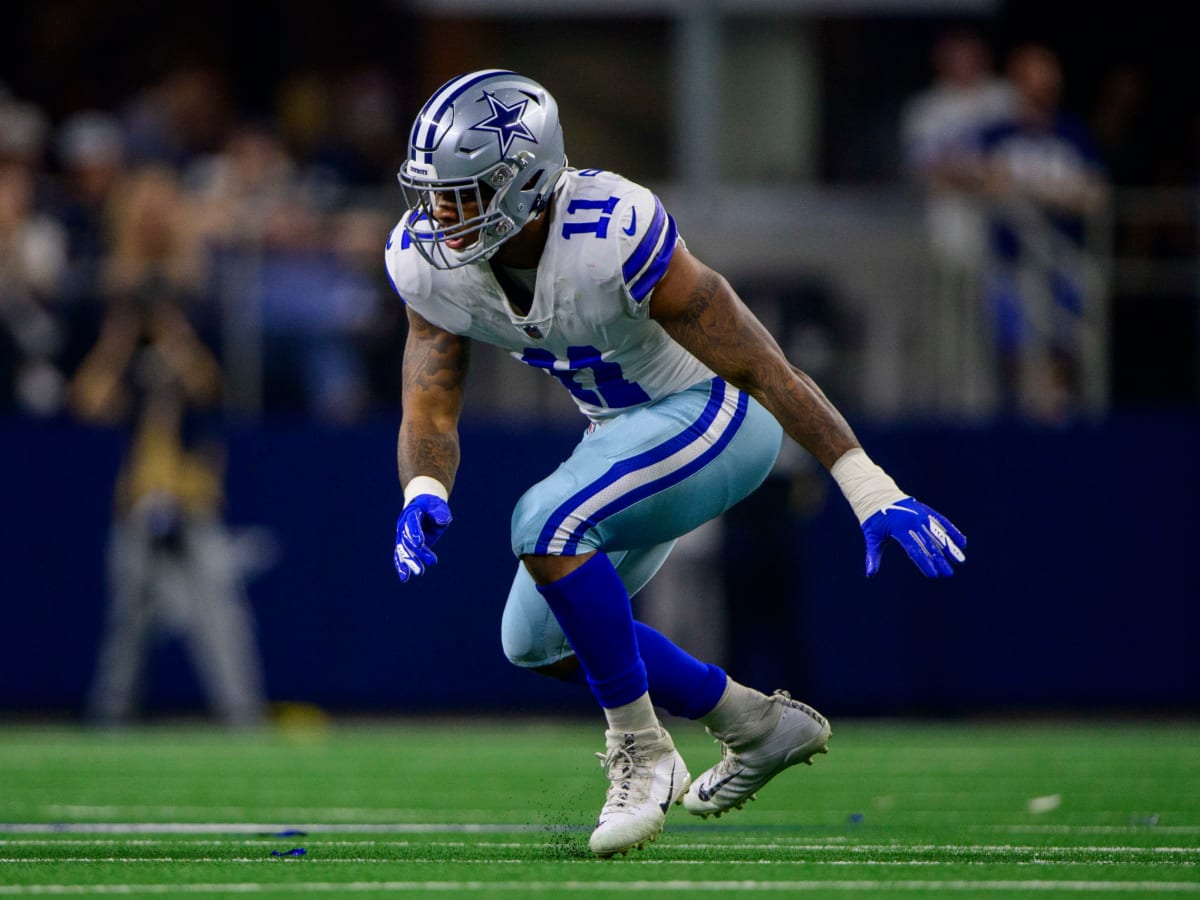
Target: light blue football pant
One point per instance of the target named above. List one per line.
(632, 486)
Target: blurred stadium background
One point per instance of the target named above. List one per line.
(199, 356)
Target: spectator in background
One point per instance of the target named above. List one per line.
(156, 260)
(308, 278)
(240, 188)
(1042, 175)
(366, 145)
(938, 131)
(240, 191)
(319, 304)
(32, 264)
(174, 567)
(183, 115)
(91, 154)
(346, 128)
(305, 107)
(23, 131)
(379, 325)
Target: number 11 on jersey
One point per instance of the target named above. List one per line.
(612, 389)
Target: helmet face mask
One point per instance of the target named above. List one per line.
(458, 221)
(485, 154)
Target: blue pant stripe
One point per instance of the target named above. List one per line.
(623, 468)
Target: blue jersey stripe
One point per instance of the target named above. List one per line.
(634, 264)
(655, 271)
(448, 101)
(392, 282)
(621, 469)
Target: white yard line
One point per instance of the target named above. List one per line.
(269, 828)
(524, 860)
(925, 887)
(337, 813)
(1089, 829)
(796, 846)
(385, 820)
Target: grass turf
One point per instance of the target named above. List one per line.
(419, 808)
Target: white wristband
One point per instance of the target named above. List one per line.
(867, 487)
(423, 484)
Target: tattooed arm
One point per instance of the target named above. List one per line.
(699, 309)
(435, 367)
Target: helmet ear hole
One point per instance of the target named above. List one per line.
(533, 180)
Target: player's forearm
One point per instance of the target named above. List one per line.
(96, 389)
(806, 414)
(757, 365)
(796, 401)
(1081, 197)
(115, 347)
(196, 368)
(422, 450)
(435, 371)
(718, 329)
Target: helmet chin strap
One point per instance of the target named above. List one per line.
(542, 201)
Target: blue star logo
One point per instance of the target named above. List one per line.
(505, 122)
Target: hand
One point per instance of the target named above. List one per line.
(421, 523)
(926, 535)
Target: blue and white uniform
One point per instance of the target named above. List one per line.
(610, 242)
(671, 445)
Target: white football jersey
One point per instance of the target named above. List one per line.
(609, 243)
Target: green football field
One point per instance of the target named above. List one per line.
(474, 808)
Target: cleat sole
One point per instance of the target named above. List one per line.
(804, 753)
(640, 845)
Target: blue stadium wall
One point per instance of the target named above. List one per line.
(1082, 591)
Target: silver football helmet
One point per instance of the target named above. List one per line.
(485, 154)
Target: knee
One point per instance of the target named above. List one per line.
(521, 649)
(533, 660)
(531, 642)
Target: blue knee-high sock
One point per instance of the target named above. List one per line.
(679, 683)
(592, 608)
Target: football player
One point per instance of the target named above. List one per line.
(582, 273)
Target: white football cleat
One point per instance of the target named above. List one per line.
(800, 733)
(647, 777)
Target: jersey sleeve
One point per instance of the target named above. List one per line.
(391, 257)
(647, 238)
(418, 286)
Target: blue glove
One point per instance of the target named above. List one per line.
(421, 523)
(928, 537)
